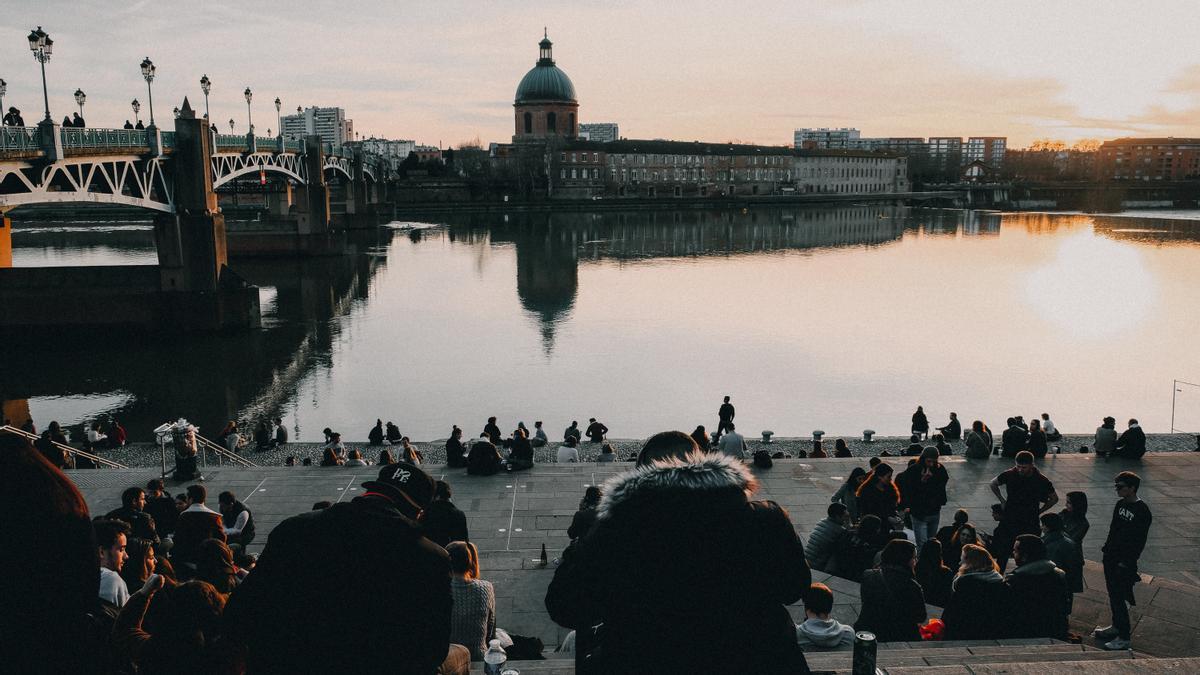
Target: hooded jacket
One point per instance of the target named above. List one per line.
(685, 573)
(1040, 589)
(978, 607)
(1065, 553)
(821, 634)
(893, 604)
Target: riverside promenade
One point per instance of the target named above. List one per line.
(511, 515)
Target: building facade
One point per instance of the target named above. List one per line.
(328, 123)
(545, 105)
(987, 149)
(1149, 159)
(823, 138)
(601, 132)
(391, 151)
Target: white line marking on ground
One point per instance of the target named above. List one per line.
(256, 487)
(511, 514)
(344, 490)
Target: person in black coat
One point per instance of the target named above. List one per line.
(978, 608)
(1014, 439)
(1039, 591)
(493, 432)
(685, 573)
(300, 587)
(953, 430)
(393, 434)
(443, 522)
(855, 550)
(1037, 442)
(1132, 442)
(933, 574)
(520, 455)
(484, 459)
(375, 435)
(920, 423)
(585, 517)
(132, 511)
(878, 495)
(893, 604)
(923, 490)
(456, 452)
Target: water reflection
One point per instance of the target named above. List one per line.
(834, 318)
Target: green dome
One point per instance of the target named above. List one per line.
(545, 82)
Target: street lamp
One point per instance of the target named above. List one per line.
(231, 125)
(249, 119)
(80, 99)
(3, 90)
(42, 46)
(278, 115)
(205, 86)
(137, 108)
(176, 111)
(148, 73)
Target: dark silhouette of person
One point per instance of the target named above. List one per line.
(77, 121)
(596, 430)
(128, 125)
(920, 423)
(725, 417)
(67, 123)
(13, 118)
(139, 125)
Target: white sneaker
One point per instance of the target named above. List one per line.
(1116, 645)
(1104, 632)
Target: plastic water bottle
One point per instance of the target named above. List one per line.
(494, 658)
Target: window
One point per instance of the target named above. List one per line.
(528, 123)
(551, 122)
(573, 173)
(571, 123)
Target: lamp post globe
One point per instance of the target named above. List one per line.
(231, 125)
(148, 70)
(137, 108)
(205, 86)
(80, 99)
(249, 118)
(42, 47)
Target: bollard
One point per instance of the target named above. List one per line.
(867, 434)
(817, 434)
(767, 436)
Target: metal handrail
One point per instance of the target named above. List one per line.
(222, 452)
(105, 138)
(19, 138)
(73, 451)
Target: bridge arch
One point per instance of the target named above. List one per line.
(229, 167)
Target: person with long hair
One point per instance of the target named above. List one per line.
(878, 495)
(409, 453)
(169, 628)
(140, 565)
(933, 574)
(966, 535)
(520, 454)
(847, 493)
(473, 616)
(979, 441)
(840, 449)
(700, 435)
(1075, 522)
(893, 604)
(331, 458)
(354, 457)
(923, 486)
(978, 608)
(385, 457)
(456, 452)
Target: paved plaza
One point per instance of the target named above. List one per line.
(512, 515)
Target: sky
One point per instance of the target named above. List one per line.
(446, 72)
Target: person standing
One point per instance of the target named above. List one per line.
(1030, 494)
(732, 443)
(725, 417)
(281, 433)
(923, 487)
(1106, 437)
(1132, 443)
(596, 431)
(953, 430)
(920, 423)
(1126, 538)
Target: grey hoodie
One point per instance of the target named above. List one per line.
(824, 634)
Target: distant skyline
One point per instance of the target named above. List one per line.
(446, 72)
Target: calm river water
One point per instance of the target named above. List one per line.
(810, 318)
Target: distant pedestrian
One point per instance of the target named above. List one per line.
(1052, 433)
(392, 433)
(281, 433)
(139, 125)
(596, 431)
(1126, 539)
(725, 417)
(733, 443)
(568, 451)
(13, 118)
(1132, 443)
(539, 439)
(840, 449)
(920, 423)
(128, 124)
(456, 452)
(375, 435)
(953, 430)
(1106, 437)
(67, 123)
(77, 121)
(573, 430)
(492, 431)
(1074, 516)
(979, 441)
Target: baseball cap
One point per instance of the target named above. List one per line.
(406, 482)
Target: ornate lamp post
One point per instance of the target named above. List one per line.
(80, 99)
(231, 125)
(278, 115)
(249, 119)
(42, 46)
(148, 73)
(205, 86)
(137, 108)
(3, 90)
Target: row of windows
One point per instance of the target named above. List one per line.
(551, 122)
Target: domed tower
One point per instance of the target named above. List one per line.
(545, 104)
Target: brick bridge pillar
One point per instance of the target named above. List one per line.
(312, 205)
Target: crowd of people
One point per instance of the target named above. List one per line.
(673, 548)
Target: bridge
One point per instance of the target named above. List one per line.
(176, 175)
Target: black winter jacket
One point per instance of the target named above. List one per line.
(893, 604)
(685, 573)
(978, 608)
(1039, 589)
(923, 498)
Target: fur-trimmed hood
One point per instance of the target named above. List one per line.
(700, 472)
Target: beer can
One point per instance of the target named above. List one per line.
(865, 647)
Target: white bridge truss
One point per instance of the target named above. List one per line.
(231, 166)
(130, 180)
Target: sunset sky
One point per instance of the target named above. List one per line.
(446, 72)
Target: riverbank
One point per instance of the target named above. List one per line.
(148, 455)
